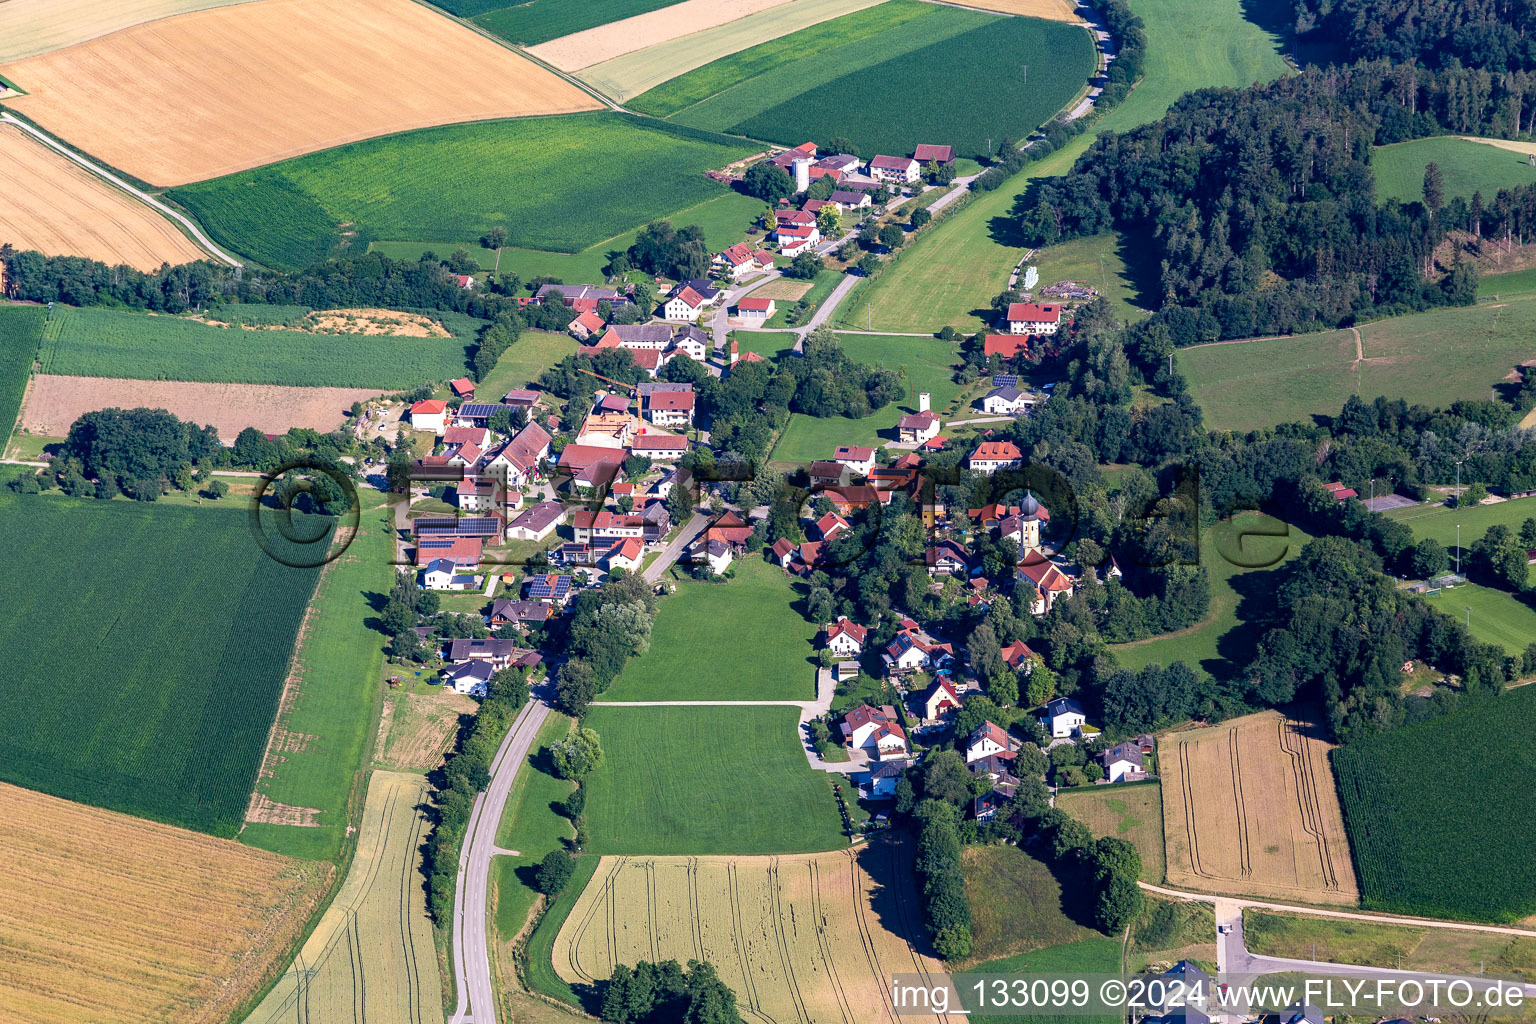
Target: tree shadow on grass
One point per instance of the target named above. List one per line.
(1274, 17)
(1142, 268)
(1255, 590)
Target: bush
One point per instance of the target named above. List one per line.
(554, 872)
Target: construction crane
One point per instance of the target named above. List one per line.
(628, 389)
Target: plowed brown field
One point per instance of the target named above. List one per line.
(53, 205)
(107, 919)
(799, 938)
(54, 402)
(273, 80)
(1250, 807)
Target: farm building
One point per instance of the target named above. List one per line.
(1032, 318)
(900, 170)
(537, 522)
(752, 309)
(941, 155)
(430, 414)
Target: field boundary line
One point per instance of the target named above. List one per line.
(1350, 915)
(144, 197)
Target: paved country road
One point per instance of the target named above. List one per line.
(674, 550)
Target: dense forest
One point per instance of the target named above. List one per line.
(1495, 35)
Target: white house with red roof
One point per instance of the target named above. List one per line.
(430, 414)
(755, 310)
(794, 239)
(685, 303)
(991, 456)
(669, 408)
(1018, 656)
(1050, 583)
(918, 427)
(741, 260)
(1033, 318)
(876, 731)
(845, 638)
(626, 554)
(913, 650)
(990, 740)
(585, 326)
(856, 457)
(830, 525)
(941, 699)
(898, 170)
(659, 447)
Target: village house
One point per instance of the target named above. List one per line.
(991, 456)
(946, 558)
(796, 238)
(741, 260)
(918, 427)
(476, 494)
(585, 325)
(522, 613)
(1007, 401)
(830, 525)
(551, 588)
(465, 281)
(479, 436)
(913, 650)
(1033, 318)
(668, 405)
(898, 170)
(460, 552)
(990, 740)
(755, 310)
(430, 414)
(940, 699)
(464, 456)
(1063, 718)
(691, 342)
(859, 459)
(941, 155)
(846, 638)
(471, 678)
(879, 783)
(731, 529)
(686, 302)
(783, 553)
(589, 466)
(846, 200)
(659, 447)
(875, 731)
(517, 462)
(538, 522)
(793, 218)
(626, 555)
(1018, 656)
(1123, 761)
(605, 527)
(496, 652)
(1049, 583)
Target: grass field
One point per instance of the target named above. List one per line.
(1020, 903)
(330, 709)
(115, 920)
(761, 646)
(1099, 260)
(1190, 44)
(531, 826)
(669, 53)
(57, 207)
(538, 21)
(416, 729)
(1223, 642)
(930, 366)
(725, 218)
(539, 969)
(1467, 166)
(1515, 282)
(1097, 955)
(454, 183)
(20, 329)
(707, 780)
(371, 957)
(532, 354)
(96, 342)
(768, 344)
(1435, 950)
(1440, 522)
(1433, 358)
(184, 695)
(821, 286)
(30, 27)
(340, 66)
(1446, 838)
(1250, 807)
(1168, 930)
(796, 938)
(1130, 812)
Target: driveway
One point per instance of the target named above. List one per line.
(674, 550)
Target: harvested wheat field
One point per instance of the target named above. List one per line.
(1250, 807)
(416, 728)
(275, 79)
(106, 918)
(1051, 10)
(371, 957)
(799, 938)
(595, 45)
(57, 207)
(53, 403)
(30, 27)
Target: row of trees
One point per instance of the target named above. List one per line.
(608, 626)
(665, 993)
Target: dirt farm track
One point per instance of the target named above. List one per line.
(53, 403)
(808, 938)
(53, 205)
(275, 79)
(1250, 808)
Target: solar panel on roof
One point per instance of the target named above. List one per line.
(469, 527)
(1005, 380)
(480, 410)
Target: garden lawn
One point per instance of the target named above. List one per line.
(532, 354)
(742, 640)
(95, 342)
(707, 780)
(1223, 642)
(952, 271)
(1433, 358)
(1465, 167)
(558, 183)
(145, 654)
(20, 329)
(336, 700)
(1133, 812)
(539, 21)
(768, 344)
(725, 219)
(532, 826)
(930, 366)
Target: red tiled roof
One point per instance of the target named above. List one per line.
(462, 386)
(755, 304)
(1016, 653)
(672, 400)
(1045, 576)
(1034, 313)
(843, 625)
(996, 451)
(797, 230)
(591, 321)
(1006, 345)
(891, 163)
(659, 442)
(853, 452)
(943, 154)
(918, 420)
(428, 407)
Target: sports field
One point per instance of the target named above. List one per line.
(1250, 807)
(115, 920)
(765, 648)
(957, 266)
(1133, 812)
(275, 80)
(930, 366)
(20, 329)
(314, 754)
(1466, 166)
(1440, 521)
(811, 938)
(1434, 358)
(652, 28)
(55, 206)
(97, 342)
(530, 22)
(455, 183)
(640, 68)
(184, 696)
(706, 780)
(371, 957)
(30, 27)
